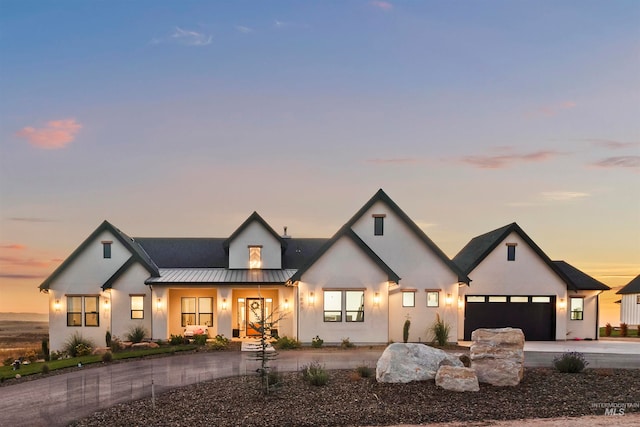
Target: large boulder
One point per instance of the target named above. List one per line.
(403, 363)
(455, 378)
(497, 356)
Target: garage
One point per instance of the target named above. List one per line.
(535, 315)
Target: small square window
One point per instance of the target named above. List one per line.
(475, 299)
(106, 249)
(543, 300)
(378, 226)
(408, 299)
(433, 298)
(511, 252)
(497, 299)
(519, 299)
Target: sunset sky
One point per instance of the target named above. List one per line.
(180, 118)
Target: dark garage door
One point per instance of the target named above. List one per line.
(535, 315)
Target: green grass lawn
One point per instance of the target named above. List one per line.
(36, 368)
(631, 332)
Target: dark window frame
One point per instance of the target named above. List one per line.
(576, 314)
(378, 225)
(141, 311)
(106, 250)
(437, 298)
(74, 313)
(89, 313)
(205, 313)
(344, 314)
(511, 252)
(414, 298)
(183, 320)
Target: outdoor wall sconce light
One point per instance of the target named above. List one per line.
(286, 304)
(562, 304)
(106, 303)
(56, 306)
(159, 304)
(449, 299)
(376, 299)
(311, 298)
(224, 304)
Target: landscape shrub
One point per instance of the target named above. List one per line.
(136, 334)
(8, 361)
(624, 329)
(570, 362)
(45, 369)
(55, 355)
(315, 374)
(200, 339)
(346, 343)
(220, 342)
(365, 371)
(176, 340)
(76, 341)
(116, 345)
(107, 357)
(607, 330)
(405, 330)
(31, 356)
(440, 330)
(286, 343)
(317, 342)
(83, 350)
(274, 379)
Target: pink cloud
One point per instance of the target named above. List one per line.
(56, 134)
(630, 162)
(24, 262)
(505, 160)
(397, 161)
(14, 246)
(611, 144)
(382, 5)
(552, 110)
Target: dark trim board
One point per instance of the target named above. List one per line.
(537, 320)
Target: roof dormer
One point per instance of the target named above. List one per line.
(255, 245)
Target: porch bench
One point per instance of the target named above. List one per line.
(191, 330)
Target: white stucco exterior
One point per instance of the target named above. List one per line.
(343, 267)
(418, 267)
(255, 235)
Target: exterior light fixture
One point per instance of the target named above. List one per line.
(286, 304)
(311, 298)
(376, 299)
(562, 304)
(224, 304)
(449, 299)
(159, 304)
(56, 306)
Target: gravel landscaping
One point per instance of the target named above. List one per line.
(348, 400)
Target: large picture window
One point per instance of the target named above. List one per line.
(344, 304)
(137, 306)
(83, 310)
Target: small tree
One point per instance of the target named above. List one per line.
(264, 324)
(624, 329)
(607, 329)
(107, 338)
(405, 330)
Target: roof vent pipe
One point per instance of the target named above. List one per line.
(285, 235)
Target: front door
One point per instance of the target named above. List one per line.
(255, 314)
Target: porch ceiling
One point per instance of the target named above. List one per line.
(221, 275)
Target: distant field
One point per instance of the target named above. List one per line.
(17, 336)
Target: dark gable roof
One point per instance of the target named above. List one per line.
(382, 196)
(479, 247)
(347, 232)
(633, 287)
(185, 252)
(137, 252)
(300, 250)
(581, 281)
(255, 217)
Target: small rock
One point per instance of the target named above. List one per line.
(455, 378)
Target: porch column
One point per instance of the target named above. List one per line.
(225, 309)
(160, 313)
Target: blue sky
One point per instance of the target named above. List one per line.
(182, 118)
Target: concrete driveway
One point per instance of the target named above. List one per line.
(59, 399)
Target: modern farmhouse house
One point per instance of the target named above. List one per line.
(630, 302)
(378, 270)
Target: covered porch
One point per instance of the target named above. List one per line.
(222, 301)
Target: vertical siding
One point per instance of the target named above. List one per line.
(630, 310)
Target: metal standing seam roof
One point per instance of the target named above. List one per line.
(221, 275)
